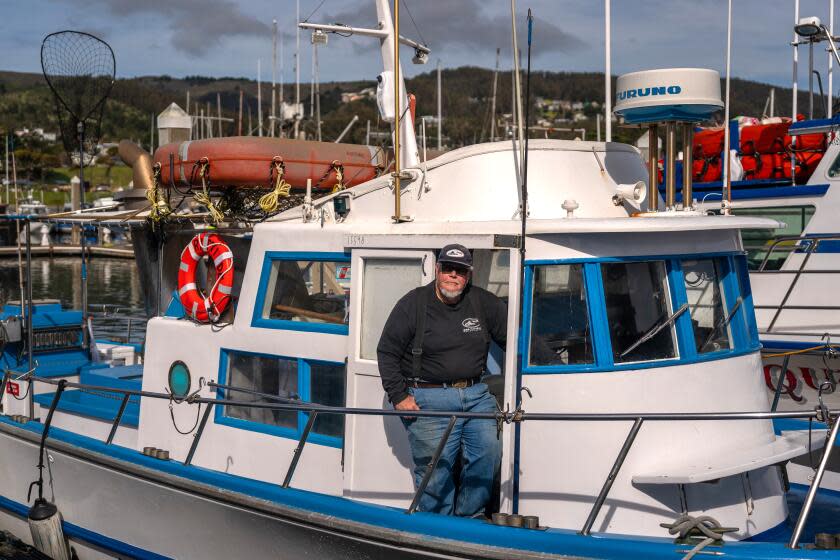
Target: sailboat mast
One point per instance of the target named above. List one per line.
(493, 102)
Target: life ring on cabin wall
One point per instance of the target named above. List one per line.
(198, 306)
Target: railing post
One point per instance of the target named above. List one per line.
(605, 489)
(198, 433)
(118, 418)
(3, 385)
(811, 248)
(812, 491)
(299, 449)
(431, 466)
(780, 383)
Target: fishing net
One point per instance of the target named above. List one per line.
(79, 69)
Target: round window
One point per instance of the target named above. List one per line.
(179, 379)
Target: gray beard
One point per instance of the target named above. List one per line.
(448, 294)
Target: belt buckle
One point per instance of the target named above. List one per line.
(460, 384)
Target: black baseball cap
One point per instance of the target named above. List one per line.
(456, 254)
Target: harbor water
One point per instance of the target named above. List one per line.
(115, 297)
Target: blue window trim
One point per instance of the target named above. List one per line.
(268, 259)
(733, 268)
(526, 329)
(304, 373)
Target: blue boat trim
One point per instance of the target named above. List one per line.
(268, 259)
(76, 532)
(436, 526)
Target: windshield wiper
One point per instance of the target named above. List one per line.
(655, 330)
(723, 323)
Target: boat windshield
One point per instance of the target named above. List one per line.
(637, 300)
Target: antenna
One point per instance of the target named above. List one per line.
(297, 73)
(439, 108)
(259, 101)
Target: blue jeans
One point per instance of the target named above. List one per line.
(473, 440)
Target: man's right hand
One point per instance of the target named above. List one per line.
(407, 403)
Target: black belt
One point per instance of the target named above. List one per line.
(455, 384)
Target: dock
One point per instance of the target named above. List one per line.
(70, 250)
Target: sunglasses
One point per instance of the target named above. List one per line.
(449, 268)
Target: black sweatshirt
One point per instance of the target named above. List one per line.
(455, 344)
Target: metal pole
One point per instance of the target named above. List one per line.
(30, 336)
(810, 78)
(812, 491)
(346, 128)
(397, 188)
(517, 88)
(297, 70)
(670, 164)
(198, 433)
(439, 109)
(299, 449)
(795, 87)
(273, 77)
(219, 111)
(688, 165)
(85, 333)
(830, 59)
(367, 134)
(726, 199)
(607, 72)
(605, 489)
(778, 393)
(430, 468)
(598, 127)
(117, 419)
(239, 123)
(317, 91)
(653, 168)
(493, 102)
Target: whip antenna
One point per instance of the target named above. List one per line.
(79, 69)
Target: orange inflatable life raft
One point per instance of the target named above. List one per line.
(248, 161)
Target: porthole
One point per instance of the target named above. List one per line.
(179, 379)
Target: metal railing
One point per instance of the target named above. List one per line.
(821, 414)
(810, 245)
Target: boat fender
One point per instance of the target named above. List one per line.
(45, 527)
(196, 305)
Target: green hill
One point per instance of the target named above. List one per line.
(26, 101)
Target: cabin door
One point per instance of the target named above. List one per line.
(377, 459)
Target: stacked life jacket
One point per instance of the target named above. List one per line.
(765, 152)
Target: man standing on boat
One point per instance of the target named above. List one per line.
(432, 354)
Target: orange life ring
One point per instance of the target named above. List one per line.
(198, 306)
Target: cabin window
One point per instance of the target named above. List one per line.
(266, 379)
(706, 306)
(560, 333)
(757, 242)
(638, 311)
(305, 294)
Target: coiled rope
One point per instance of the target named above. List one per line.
(706, 525)
(203, 197)
(156, 195)
(270, 202)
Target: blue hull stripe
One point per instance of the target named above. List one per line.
(81, 534)
(437, 527)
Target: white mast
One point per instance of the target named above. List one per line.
(439, 108)
(517, 89)
(727, 173)
(282, 100)
(407, 140)
(259, 101)
(493, 101)
(273, 77)
(607, 73)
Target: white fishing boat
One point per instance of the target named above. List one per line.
(259, 425)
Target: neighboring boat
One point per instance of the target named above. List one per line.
(267, 432)
(39, 231)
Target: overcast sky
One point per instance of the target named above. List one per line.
(226, 37)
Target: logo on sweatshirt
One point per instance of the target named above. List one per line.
(471, 324)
